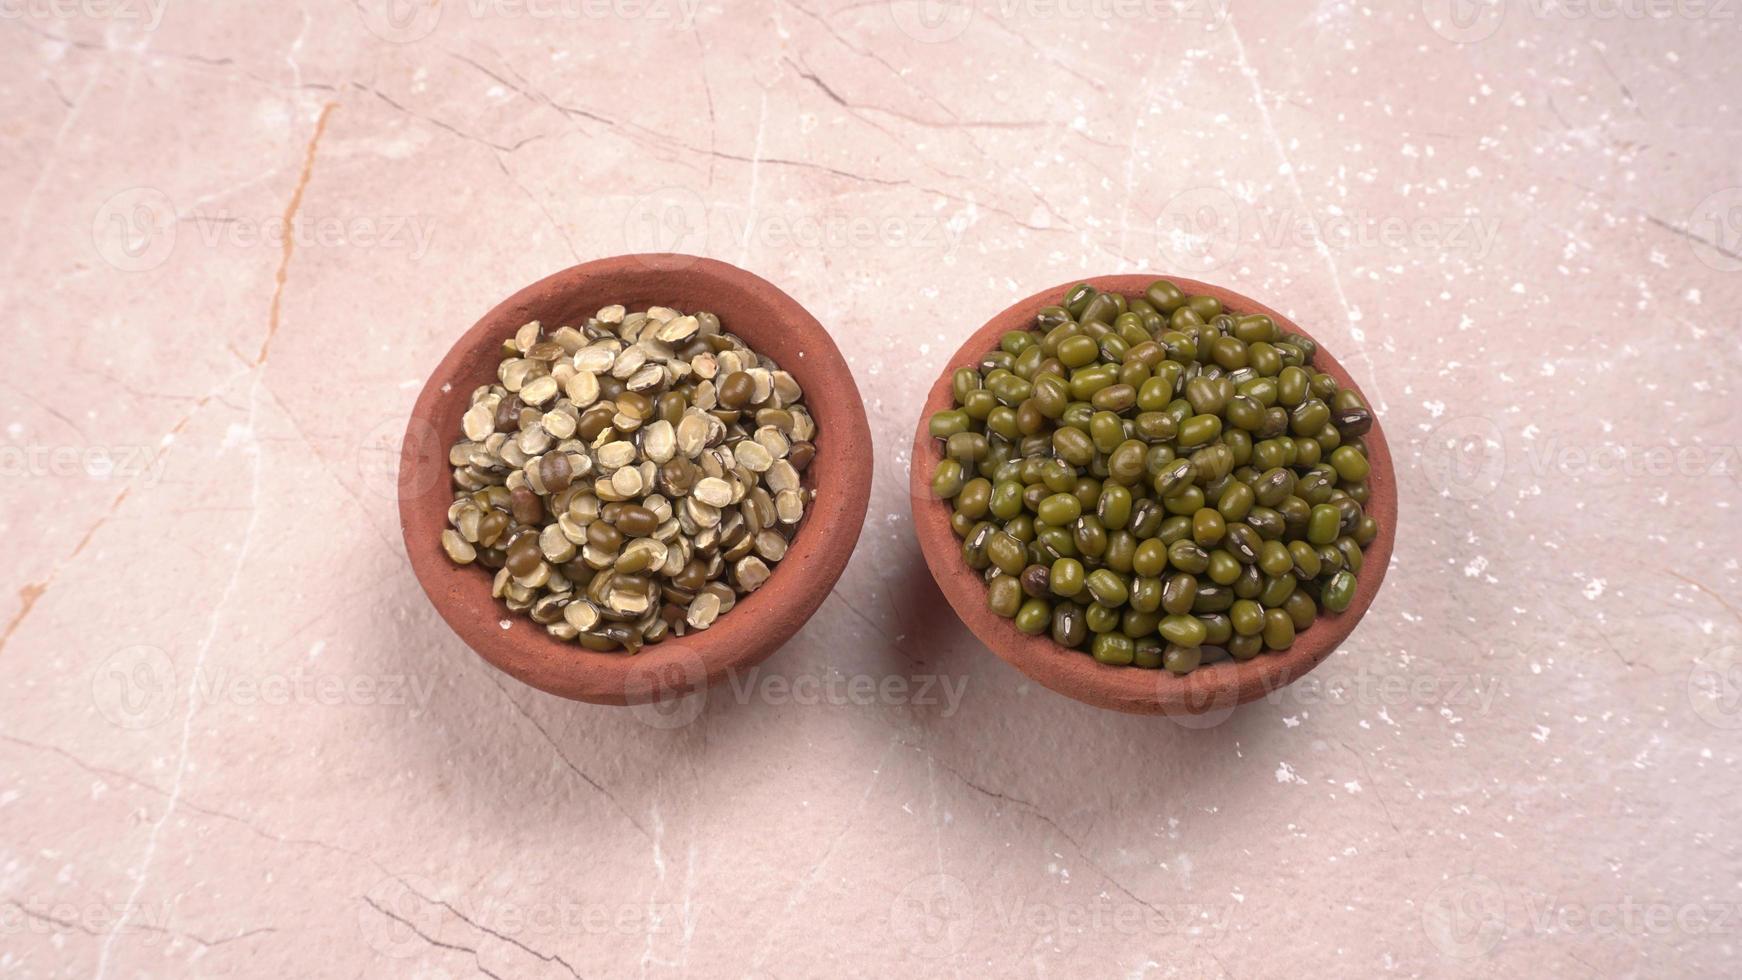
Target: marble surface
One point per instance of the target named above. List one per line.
(235, 739)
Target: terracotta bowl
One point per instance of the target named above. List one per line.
(1074, 673)
(771, 322)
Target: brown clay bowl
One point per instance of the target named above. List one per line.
(1074, 673)
(770, 321)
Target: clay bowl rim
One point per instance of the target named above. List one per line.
(1074, 673)
(774, 324)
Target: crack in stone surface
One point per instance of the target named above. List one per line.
(1692, 236)
(437, 943)
(1038, 814)
(289, 245)
(1715, 597)
(29, 594)
(560, 754)
(481, 927)
(78, 926)
(875, 627)
(446, 126)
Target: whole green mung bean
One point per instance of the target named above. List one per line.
(1034, 617)
(1100, 618)
(1068, 627)
(1148, 653)
(1004, 596)
(1157, 480)
(1114, 648)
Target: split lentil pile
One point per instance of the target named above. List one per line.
(1158, 481)
(628, 480)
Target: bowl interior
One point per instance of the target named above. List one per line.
(769, 321)
(1073, 672)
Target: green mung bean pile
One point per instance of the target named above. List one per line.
(1158, 481)
(629, 479)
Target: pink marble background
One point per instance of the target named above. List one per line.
(236, 741)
